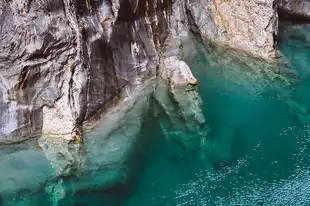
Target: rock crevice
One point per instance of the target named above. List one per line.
(62, 63)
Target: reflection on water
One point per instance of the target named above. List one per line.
(256, 153)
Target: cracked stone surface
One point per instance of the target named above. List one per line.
(65, 62)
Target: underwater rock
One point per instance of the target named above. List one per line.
(178, 107)
(24, 171)
(112, 144)
(105, 158)
(65, 156)
(59, 167)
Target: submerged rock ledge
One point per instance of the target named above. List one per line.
(105, 159)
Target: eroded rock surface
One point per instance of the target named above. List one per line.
(178, 107)
(64, 62)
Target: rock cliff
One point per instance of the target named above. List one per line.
(64, 62)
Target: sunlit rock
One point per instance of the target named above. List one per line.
(245, 25)
(68, 62)
(60, 167)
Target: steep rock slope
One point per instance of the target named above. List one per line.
(63, 62)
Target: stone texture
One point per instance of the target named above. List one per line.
(246, 25)
(63, 63)
(67, 60)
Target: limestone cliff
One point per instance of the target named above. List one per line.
(246, 25)
(63, 62)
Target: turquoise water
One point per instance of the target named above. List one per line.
(258, 147)
(260, 142)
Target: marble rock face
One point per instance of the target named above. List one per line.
(64, 62)
(245, 25)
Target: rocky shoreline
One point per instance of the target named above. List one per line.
(70, 68)
(68, 61)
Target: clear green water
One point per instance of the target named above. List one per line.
(260, 143)
(261, 149)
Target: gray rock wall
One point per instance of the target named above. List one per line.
(63, 62)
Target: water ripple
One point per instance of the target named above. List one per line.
(232, 187)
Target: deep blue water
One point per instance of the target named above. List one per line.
(260, 140)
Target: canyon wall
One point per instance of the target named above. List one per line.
(65, 62)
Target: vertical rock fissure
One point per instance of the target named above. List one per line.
(89, 52)
(78, 69)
